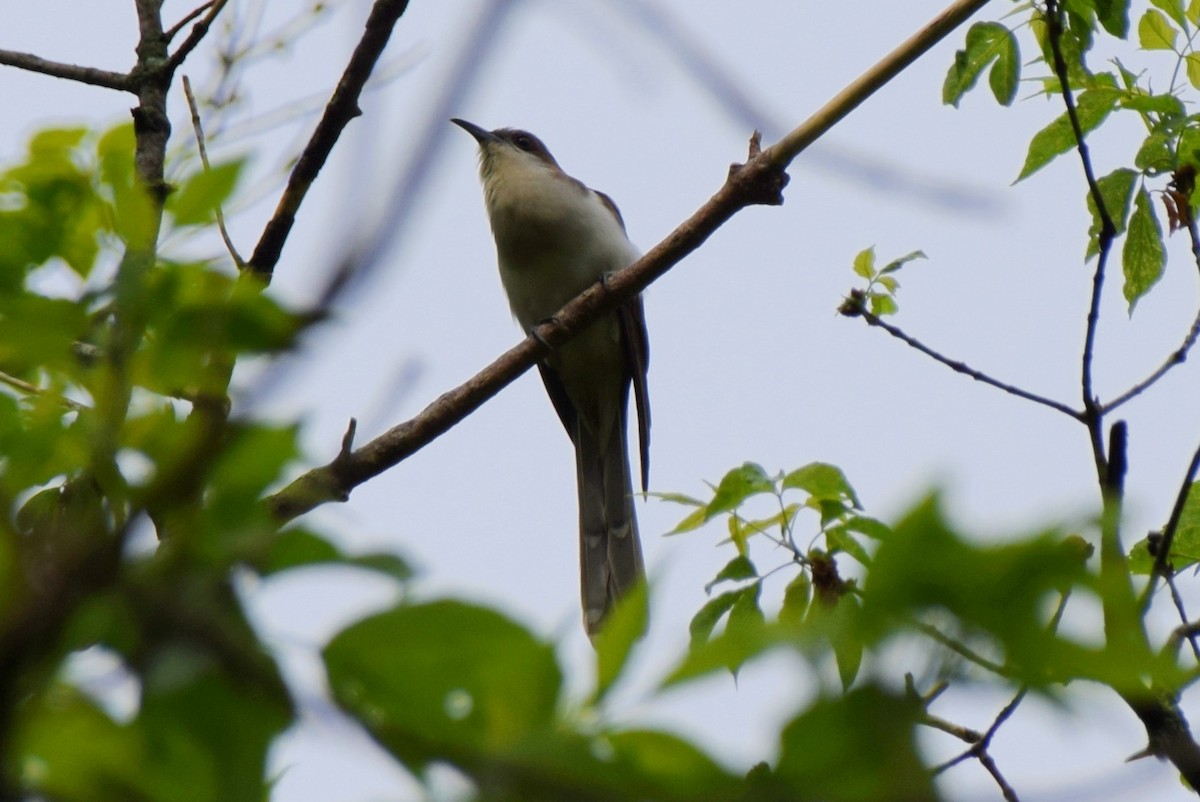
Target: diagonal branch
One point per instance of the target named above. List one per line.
(961, 367)
(759, 181)
(174, 30)
(341, 109)
(197, 34)
(72, 72)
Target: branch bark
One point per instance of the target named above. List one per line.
(759, 181)
(341, 109)
(72, 72)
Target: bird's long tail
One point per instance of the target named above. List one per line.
(610, 554)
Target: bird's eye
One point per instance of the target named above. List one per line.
(524, 143)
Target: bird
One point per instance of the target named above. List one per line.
(554, 238)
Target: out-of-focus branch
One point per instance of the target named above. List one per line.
(782, 152)
(202, 148)
(759, 181)
(198, 32)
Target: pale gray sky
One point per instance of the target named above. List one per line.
(749, 360)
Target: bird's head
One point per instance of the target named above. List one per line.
(508, 149)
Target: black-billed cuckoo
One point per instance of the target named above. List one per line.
(554, 238)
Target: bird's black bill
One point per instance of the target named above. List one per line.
(482, 135)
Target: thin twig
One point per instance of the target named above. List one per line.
(962, 733)
(988, 763)
(191, 15)
(1186, 631)
(87, 75)
(966, 370)
(200, 146)
(32, 389)
(1183, 616)
(1177, 357)
(198, 32)
(960, 649)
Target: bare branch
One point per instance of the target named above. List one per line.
(199, 31)
(200, 146)
(22, 386)
(962, 367)
(174, 30)
(341, 109)
(1177, 598)
(72, 72)
(759, 180)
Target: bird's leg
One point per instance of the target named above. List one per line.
(533, 332)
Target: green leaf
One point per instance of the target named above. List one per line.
(298, 547)
(80, 753)
(194, 713)
(737, 486)
(1192, 63)
(795, 600)
(876, 530)
(882, 304)
(746, 612)
(1092, 107)
(838, 538)
(438, 680)
(196, 201)
(1005, 75)
(1116, 189)
(864, 263)
(1165, 105)
(703, 622)
(671, 763)
(1001, 590)
(1189, 144)
(731, 649)
(1156, 155)
(1143, 256)
(822, 482)
(624, 626)
(860, 747)
(896, 264)
(1185, 545)
(691, 522)
(135, 215)
(1114, 16)
(1193, 12)
(1173, 9)
(987, 42)
(1155, 32)
(847, 645)
(736, 569)
(1141, 562)
(40, 333)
